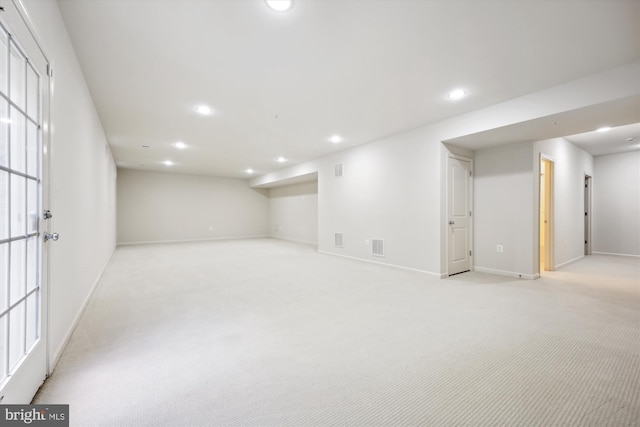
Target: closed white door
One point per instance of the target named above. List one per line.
(23, 108)
(459, 215)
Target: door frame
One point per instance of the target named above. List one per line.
(470, 230)
(588, 183)
(549, 261)
(30, 373)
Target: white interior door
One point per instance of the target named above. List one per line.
(459, 214)
(23, 113)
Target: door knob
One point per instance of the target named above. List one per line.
(51, 236)
(47, 214)
(451, 222)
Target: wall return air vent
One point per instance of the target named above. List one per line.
(337, 237)
(377, 247)
(338, 170)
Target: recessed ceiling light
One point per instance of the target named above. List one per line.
(456, 94)
(249, 170)
(180, 145)
(168, 163)
(604, 129)
(204, 110)
(280, 5)
(631, 139)
(335, 139)
(281, 159)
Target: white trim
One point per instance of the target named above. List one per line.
(569, 262)
(58, 353)
(153, 242)
(383, 263)
(507, 273)
(304, 242)
(615, 254)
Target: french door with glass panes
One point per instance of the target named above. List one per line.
(24, 97)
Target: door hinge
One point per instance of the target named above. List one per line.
(470, 253)
(469, 213)
(470, 173)
(49, 70)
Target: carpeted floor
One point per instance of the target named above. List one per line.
(271, 333)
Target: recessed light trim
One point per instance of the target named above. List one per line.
(604, 129)
(335, 139)
(249, 171)
(204, 110)
(630, 139)
(281, 159)
(457, 94)
(180, 145)
(168, 163)
(279, 5)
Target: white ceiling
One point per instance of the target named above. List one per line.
(282, 83)
(616, 140)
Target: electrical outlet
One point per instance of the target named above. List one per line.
(499, 249)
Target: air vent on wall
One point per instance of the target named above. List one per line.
(338, 171)
(377, 247)
(338, 240)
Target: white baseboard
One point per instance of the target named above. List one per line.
(304, 242)
(383, 263)
(506, 273)
(211, 239)
(569, 262)
(53, 360)
(615, 254)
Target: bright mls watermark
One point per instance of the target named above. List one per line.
(34, 415)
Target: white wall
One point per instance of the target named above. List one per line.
(395, 188)
(83, 177)
(504, 210)
(293, 212)
(571, 164)
(616, 204)
(154, 207)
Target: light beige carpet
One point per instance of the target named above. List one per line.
(270, 333)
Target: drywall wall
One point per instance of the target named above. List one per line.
(293, 212)
(389, 190)
(156, 207)
(571, 164)
(616, 204)
(83, 176)
(503, 210)
(395, 188)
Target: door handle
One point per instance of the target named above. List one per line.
(51, 236)
(47, 214)
(451, 222)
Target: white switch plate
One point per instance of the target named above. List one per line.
(499, 248)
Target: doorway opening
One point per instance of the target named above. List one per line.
(587, 215)
(546, 214)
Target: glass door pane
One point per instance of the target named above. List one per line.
(20, 205)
